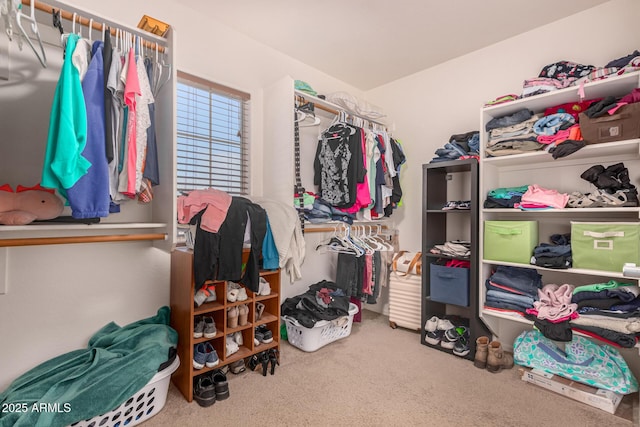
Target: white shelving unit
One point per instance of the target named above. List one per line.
(563, 175)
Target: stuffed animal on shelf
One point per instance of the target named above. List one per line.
(28, 204)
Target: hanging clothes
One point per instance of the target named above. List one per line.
(338, 165)
(64, 164)
(89, 197)
(127, 184)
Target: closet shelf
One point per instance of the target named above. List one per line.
(37, 234)
(61, 227)
(330, 107)
(582, 271)
(518, 318)
(589, 152)
(598, 89)
(573, 212)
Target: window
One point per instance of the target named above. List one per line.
(213, 136)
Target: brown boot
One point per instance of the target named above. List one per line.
(482, 348)
(497, 358)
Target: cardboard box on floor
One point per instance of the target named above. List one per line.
(602, 399)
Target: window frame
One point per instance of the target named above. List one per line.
(213, 88)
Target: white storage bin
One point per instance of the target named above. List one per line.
(322, 333)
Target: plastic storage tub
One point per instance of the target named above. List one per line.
(147, 402)
(322, 333)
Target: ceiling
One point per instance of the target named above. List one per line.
(368, 43)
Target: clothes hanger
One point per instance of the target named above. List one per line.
(42, 57)
(164, 72)
(90, 28)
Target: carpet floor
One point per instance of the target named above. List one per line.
(379, 376)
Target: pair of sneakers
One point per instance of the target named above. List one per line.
(236, 292)
(444, 333)
(262, 335)
(211, 387)
(233, 342)
(205, 327)
(205, 355)
(207, 293)
(264, 288)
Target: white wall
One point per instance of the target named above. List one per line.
(430, 106)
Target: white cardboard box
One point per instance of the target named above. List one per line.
(602, 399)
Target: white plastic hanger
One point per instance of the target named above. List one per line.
(42, 57)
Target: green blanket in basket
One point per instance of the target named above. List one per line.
(85, 383)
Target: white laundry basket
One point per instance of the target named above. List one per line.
(322, 333)
(143, 405)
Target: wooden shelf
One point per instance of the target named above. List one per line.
(183, 314)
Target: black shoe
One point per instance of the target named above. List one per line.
(264, 360)
(221, 385)
(273, 358)
(254, 361)
(204, 391)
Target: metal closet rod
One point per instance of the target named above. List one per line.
(38, 241)
(96, 24)
(310, 229)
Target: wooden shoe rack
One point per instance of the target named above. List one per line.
(184, 312)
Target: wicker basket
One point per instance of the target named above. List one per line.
(143, 405)
(323, 332)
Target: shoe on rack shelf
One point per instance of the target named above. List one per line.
(461, 347)
(257, 337)
(233, 289)
(444, 325)
(452, 204)
(212, 355)
(452, 336)
(264, 288)
(231, 345)
(242, 294)
(232, 317)
(204, 391)
(206, 293)
(237, 337)
(199, 356)
(431, 324)
(243, 315)
(237, 367)
(198, 329)
(267, 335)
(209, 329)
(259, 310)
(434, 337)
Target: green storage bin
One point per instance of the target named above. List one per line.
(605, 245)
(510, 241)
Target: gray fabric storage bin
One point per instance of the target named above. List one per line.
(449, 285)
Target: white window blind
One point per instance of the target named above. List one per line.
(213, 136)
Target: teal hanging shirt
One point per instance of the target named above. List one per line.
(64, 164)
